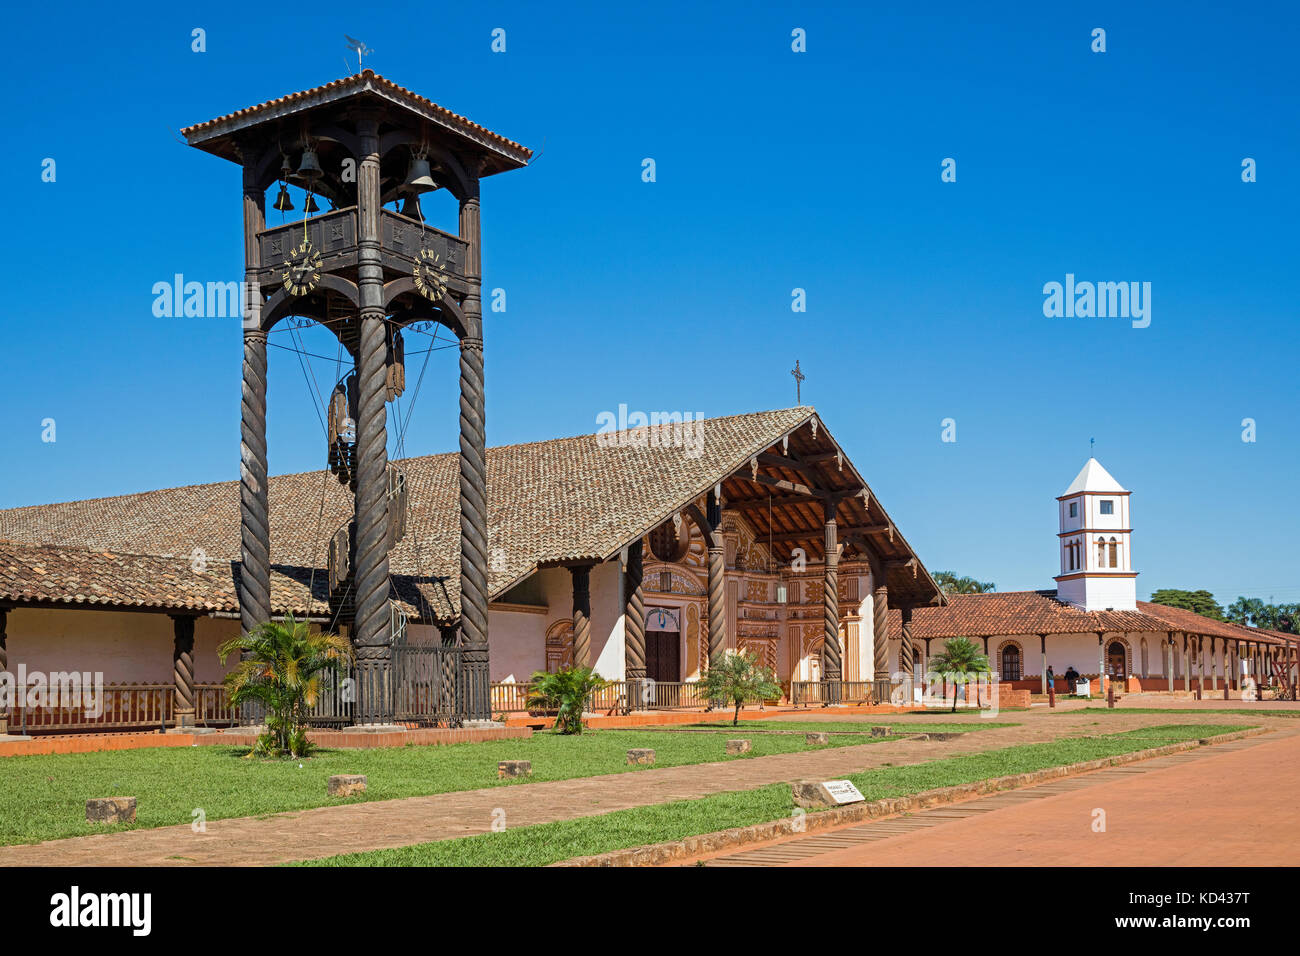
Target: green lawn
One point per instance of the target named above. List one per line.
(862, 726)
(552, 842)
(1240, 711)
(43, 797)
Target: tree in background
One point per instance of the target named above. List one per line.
(1257, 613)
(950, 583)
(1202, 602)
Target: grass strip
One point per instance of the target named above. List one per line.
(547, 843)
(43, 797)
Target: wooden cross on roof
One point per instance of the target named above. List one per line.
(798, 383)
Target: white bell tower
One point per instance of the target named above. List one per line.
(1096, 558)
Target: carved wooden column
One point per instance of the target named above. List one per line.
(634, 614)
(1042, 669)
(371, 634)
(1187, 663)
(832, 659)
(473, 464)
(1214, 677)
(581, 615)
(4, 666)
(905, 652)
(183, 670)
(879, 619)
(717, 580)
(1101, 660)
(1169, 661)
(1200, 660)
(254, 519)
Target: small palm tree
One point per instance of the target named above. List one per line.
(960, 662)
(566, 691)
(738, 678)
(284, 664)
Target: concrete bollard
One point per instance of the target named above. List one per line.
(738, 747)
(640, 755)
(514, 768)
(110, 810)
(817, 740)
(346, 784)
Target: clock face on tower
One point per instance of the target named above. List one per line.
(430, 276)
(301, 269)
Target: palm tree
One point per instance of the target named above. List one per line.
(960, 661)
(950, 583)
(738, 678)
(282, 667)
(566, 691)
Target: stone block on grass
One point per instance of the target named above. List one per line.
(880, 731)
(346, 784)
(739, 747)
(640, 755)
(818, 740)
(514, 768)
(111, 810)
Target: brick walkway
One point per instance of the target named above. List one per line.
(326, 831)
(1157, 813)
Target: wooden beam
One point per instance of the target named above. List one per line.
(844, 532)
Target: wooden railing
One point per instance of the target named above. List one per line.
(808, 692)
(124, 706)
(616, 697)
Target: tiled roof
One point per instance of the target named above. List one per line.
(1039, 612)
(1180, 619)
(365, 80)
(563, 500)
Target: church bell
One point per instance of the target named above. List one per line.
(309, 168)
(418, 177)
(282, 201)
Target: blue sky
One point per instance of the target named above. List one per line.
(775, 170)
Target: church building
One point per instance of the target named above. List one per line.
(1092, 621)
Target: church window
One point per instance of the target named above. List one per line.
(1010, 662)
(1107, 506)
(1101, 552)
(1074, 509)
(1114, 553)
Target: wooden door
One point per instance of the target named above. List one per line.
(663, 656)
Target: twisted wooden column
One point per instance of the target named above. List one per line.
(581, 615)
(634, 614)
(183, 670)
(371, 634)
(473, 466)
(1169, 662)
(880, 627)
(717, 579)
(1187, 665)
(905, 652)
(832, 658)
(254, 520)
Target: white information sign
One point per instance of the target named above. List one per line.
(843, 791)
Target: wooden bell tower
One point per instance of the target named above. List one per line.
(365, 272)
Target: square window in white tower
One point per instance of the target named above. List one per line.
(1107, 506)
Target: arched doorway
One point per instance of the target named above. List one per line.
(1011, 662)
(1116, 661)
